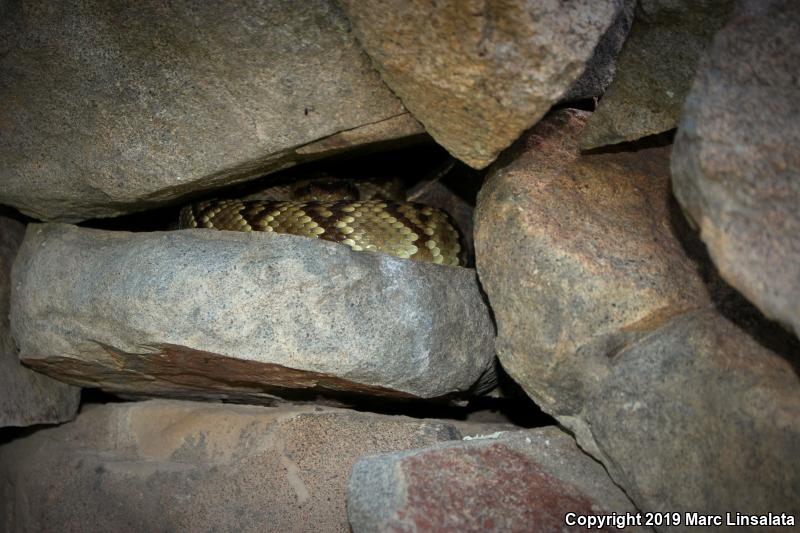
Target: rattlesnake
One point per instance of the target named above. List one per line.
(364, 215)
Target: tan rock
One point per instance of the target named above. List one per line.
(608, 324)
(478, 74)
(736, 163)
(110, 109)
(579, 257)
(183, 466)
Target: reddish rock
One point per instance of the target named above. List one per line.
(515, 481)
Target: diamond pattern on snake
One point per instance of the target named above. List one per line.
(370, 216)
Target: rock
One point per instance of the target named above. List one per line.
(702, 394)
(515, 481)
(601, 68)
(476, 74)
(578, 256)
(655, 69)
(608, 324)
(244, 316)
(736, 167)
(114, 108)
(26, 397)
(183, 466)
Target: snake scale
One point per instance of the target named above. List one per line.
(364, 215)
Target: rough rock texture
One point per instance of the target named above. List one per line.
(736, 163)
(516, 481)
(26, 397)
(477, 74)
(578, 256)
(601, 68)
(700, 417)
(112, 107)
(243, 315)
(655, 69)
(185, 466)
(609, 326)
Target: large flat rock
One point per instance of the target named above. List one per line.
(536, 480)
(736, 163)
(478, 74)
(26, 397)
(607, 316)
(217, 314)
(184, 466)
(113, 107)
(655, 69)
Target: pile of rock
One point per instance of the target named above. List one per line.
(644, 291)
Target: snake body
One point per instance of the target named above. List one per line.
(354, 214)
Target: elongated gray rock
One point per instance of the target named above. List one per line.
(113, 107)
(477, 74)
(736, 163)
(185, 466)
(26, 397)
(536, 480)
(217, 314)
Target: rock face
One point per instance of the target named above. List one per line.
(655, 69)
(184, 466)
(113, 107)
(216, 314)
(477, 74)
(518, 481)
(699, 417)
(736, 166)
(606, 323)
(26, 397)
(578, 256)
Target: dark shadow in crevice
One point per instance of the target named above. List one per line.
(728, 301)
(651, 141)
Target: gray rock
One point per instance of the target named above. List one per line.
(26, 397)
(113, 107)
(655, 69)
(699, 417)
(217, 314)
(478, 74)
(609, 325)
(512, 481)
(601, 68)
(736, 164)
(183, 466)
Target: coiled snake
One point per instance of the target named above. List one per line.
(364, 215)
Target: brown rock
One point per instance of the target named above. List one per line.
(514, 481)
(736, 163)
(607, 324)
(111, 108)
(184, 466)
(655, 69)
(244, 316)
(26, 397)
(579, 257)
(478, 74)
